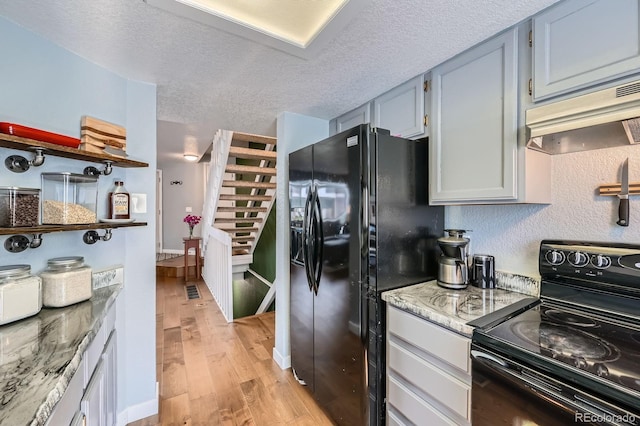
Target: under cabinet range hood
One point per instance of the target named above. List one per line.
(603, 119)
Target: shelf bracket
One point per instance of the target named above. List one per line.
(19, 164)
(93, 171)
(92, 237)
(19, 243)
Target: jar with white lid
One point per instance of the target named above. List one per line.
(20, 293)
(65, 281)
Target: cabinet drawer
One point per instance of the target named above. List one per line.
(66, 408)
(448, 346)
(431, 380)
(94, 351)
(413, 408)
(393, 419)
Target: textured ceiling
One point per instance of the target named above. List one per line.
(209, 79)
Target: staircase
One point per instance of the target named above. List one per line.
(241, 192)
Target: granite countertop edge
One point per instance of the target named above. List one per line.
(449, 322)
(411, 299)
(55, 395)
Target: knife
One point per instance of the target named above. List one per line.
(623, 208)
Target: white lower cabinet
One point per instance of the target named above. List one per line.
(428, 372)
(92, 403)
(90, 397)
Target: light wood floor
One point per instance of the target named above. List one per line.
(214, 373)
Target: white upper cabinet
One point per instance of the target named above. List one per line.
(580, 43)
(401, 110)
(360, 115)
(474, 118)
(476, 126)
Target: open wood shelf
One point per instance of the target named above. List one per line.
(24, 144)
(46, 229)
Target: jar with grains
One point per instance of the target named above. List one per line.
(65, 281)
(20, 293)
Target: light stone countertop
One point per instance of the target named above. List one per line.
(39, 356)
(452, 309)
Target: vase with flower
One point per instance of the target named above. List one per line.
(191, 221)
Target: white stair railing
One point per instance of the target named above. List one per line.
(216, 248)
(217, 269)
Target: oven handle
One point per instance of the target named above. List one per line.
(483, 355)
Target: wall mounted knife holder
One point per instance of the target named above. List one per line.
(614, 188)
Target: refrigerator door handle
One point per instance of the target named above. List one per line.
(364, 314)
(305, 240)
(319, 245)
(364, 285)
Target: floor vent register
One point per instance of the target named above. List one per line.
(192, 292)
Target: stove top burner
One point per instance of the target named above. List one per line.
(564, 317)
(561, 341)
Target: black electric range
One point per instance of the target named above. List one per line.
(573, 356)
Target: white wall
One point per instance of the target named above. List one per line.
(47, 87)
(294, 132)
(512, 233)
(175, 199)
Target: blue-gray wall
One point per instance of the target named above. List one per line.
(295, 131)
(47, 87)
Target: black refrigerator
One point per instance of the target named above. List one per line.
(360, 224)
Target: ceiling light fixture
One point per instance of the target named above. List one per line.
(300, 28)
(190, 149)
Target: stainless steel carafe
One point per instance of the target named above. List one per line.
(453, 264)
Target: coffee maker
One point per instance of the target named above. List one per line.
(453, 264)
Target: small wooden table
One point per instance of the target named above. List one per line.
(189, 243)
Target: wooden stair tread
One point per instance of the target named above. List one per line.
(238, 230)
(238, 219)
(248, 238)
(250, 170)
(243, 209)
(241, 246)
(248, 184)
(249, 137)
(244, 197)
(250, 153)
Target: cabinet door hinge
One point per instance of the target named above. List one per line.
(426, 85)
(426, 120)
(530, 38)
(530, 87)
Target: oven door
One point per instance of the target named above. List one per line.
(506, 392)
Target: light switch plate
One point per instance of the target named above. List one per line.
(188, 209)
(138, 203)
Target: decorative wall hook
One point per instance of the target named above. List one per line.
(19, 164)
(18, 243)
(92, 237)
(93, 171)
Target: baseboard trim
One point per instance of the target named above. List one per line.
(283, 361)
(173, 251)
(140, 411)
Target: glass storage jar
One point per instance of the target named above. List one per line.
(20, 293)
(19, 206)
(69, 198)
(65, 281)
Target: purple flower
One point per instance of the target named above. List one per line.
(192, 220)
